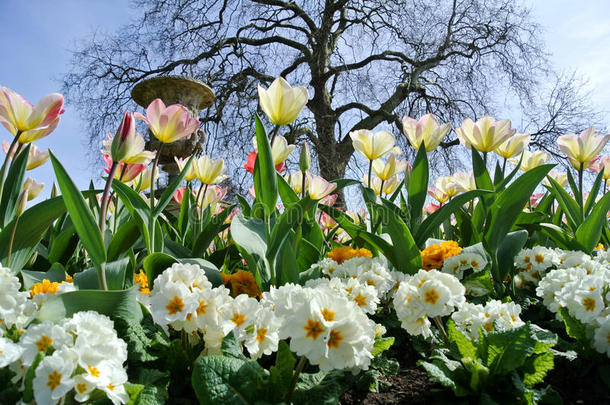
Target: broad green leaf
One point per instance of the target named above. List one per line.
(230, 347)
(405, 250)
(510, 203)
(322, 388)
(80, 214)
(286, 262)
(213, 227)
(465, 347)
(536, 368)
(138, 208)
(438, 372)
(28, 392)
(281, 373)
(146, 341)
(125, 237)
(243, 206)
(249, 235)
(509, 247)
(155, 264)
(289, 219)
(115, 276)
(593, 192)
(264, 170)
(574, 328)
(113, 303)
(13, 185)
(381, 345)
(32, 225)
(558, 236)
(588, 233)
(417, 186)
(227, 380)
(508, 349)
(567, 203)
(481, 175)
(287, 194)
(63, 245)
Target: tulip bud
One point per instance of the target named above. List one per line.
(54, 191)
(21, 202)
(124, 138)
(304, 158)
(32, 187)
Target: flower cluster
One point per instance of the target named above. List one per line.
(81, 354)
(426, 294)
(343, 253)
(367, 271)
(495, 315)
(534, 263)
(16, 310)
(183, 298)
(581, 284)
(435, 255)
(324, 326)
(458, 264)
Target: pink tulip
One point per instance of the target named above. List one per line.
(125, 172)
(168, 124)
(32, 122)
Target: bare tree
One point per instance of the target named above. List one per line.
(365, 62)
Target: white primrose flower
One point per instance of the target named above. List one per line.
(583, 298)
(263, 334)
(53, 377)
(171, 302)
(601, 336)
(495, 315)
(331, 331)
(410, 310)
(456, 265)
(285, 301)
(42, 337)
(9, 352)
(364, 295)
(241, 312)
(15, 307)
(83, 388)
(115, 388)
(551, 286)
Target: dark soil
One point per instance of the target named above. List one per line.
(576, 387)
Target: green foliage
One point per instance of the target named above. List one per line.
(13, 187)
(501, 361)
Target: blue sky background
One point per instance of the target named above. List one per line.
(36, 37)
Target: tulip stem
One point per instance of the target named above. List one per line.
(370, 170)
(605, 186)
(295, 378)
(151, 220)
(274, 133)
(105, 198)
(485, 159)
(580, 195)
(303, 185)
(10, 243)
(8, 155)
(503, 167)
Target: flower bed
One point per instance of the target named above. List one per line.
(495, 293)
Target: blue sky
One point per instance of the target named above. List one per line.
(36, 37)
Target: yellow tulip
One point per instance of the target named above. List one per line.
(426, 130)
(448, 186)
(36, 157)
(191, 173)
(280, 150)
(465, 180)
(582, 149)
(210, 171)
(438, 195)
(295, 180)
(372, 145)
(385, 170)
(513, 146)
(320, 188)
(531, 160)
(484, 135)
(33, 122)
(281, 102)
(389, 186)
(33, 188)
(142, 180)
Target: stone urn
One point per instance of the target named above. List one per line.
(191, 93)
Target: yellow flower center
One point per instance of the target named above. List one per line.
(261, 333)
(54, 380)
(110, 387)
(81, 388)
(488, 326)
(313, 328)
(431, 296)
(44, 343)
(201, 308)
(539, 258)
(329, 316)
(526, 259)
(94, 371)
(360, 300)
(175, 305)
(238, 319)
(334, 339)
(589, 304)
